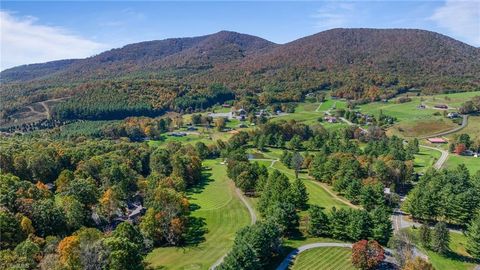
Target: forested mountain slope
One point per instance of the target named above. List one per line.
(355, 63)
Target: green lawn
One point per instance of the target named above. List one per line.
(453, 100)
(218, 206)
(472, 163)
(425, 159)
(316, 194)
(328, 258)
(306, 113)
(458, 258)
(417, 122)
(473, 128)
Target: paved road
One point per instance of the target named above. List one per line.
(290, 257)
(438, 165)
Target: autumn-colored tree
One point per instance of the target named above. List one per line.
(418, 264)
(460, 148)
(220, 123)
(109, 203)
(27, 226)
(367, 254)
(69, 249)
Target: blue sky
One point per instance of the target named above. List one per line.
(40, 31)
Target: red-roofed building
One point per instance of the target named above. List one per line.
(437, 140)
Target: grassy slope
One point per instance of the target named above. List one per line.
(472, 163)
(458, 258)
(330, 258)
(416, 122)
(223, 213)
(306, 113)
(425, 159)
(317, 194)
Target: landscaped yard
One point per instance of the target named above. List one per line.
(328, 258)
(215, 204)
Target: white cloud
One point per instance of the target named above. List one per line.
(333, 15)
(24, 41)
(461, 18)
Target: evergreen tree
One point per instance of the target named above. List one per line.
(381, 224)
(359, 225)
(425, 235)
(339, 220)
(473, 237)
(372, 196)
(318, 222)
(299, 194)
(440, 238)
(296, 163)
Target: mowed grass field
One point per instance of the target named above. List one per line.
(306, 112)
(472, 163)
(327, 258)
(457, 259)
(425, 159)
(414, 122)
(316, 193)
(215, 204)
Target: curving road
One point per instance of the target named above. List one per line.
(448, 132)
(438, 165)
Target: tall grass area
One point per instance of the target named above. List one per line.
(216, 211)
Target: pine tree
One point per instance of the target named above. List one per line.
(382, 225)
(473, 237)
(299, 194)
(318, 223)
(425, 235)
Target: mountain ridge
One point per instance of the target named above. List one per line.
(358, 63)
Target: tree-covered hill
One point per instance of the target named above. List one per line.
(368, 64)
